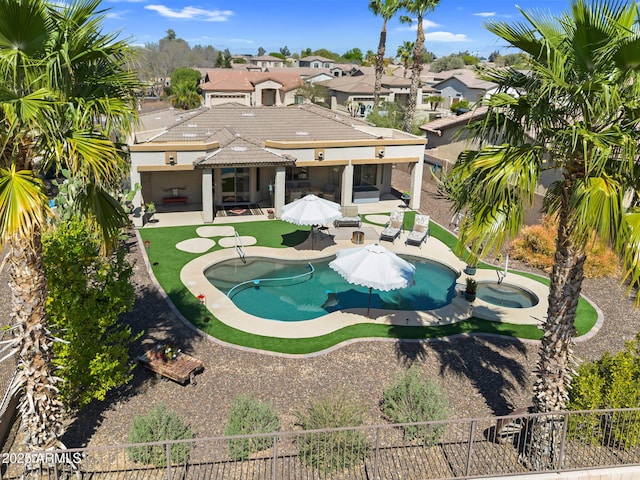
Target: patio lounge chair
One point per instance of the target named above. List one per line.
(394, 227)
(350, 217)
(420, 231)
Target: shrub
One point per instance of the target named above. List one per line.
(333, 450)
(412, 399)
(536, 246)
(609, 382)
(250, 416)
(158, 425)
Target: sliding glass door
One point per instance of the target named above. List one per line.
(235, 186)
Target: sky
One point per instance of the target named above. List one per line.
(243, 26)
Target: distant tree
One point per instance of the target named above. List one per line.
(388, 115)
(387, 9)
(239, 60)
(419, 8)
(369, 57)
(493, 56)
(307, 52)
(185, 96)
(186, 75)
(513, 59)
(323, 52)
(435, 101)
(285, 51)
(171, 35)
(220, 60)
(278, 55)
(427, 56)
(204, 56)
(354, 55)
(469, 59)
(450, 62)
(314, 92)
(261, 52)
(227, 57)
(404, 55)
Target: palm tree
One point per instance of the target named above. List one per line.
(386, 9)
(404, 54)
(575, 111)
(64, 93)
(419, 8)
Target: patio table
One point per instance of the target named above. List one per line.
(180, 369)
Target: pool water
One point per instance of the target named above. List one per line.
(505, 295)
(312, 295)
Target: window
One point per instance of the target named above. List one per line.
(364, 175)
(297, 173)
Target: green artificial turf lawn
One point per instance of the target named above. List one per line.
(167, 261)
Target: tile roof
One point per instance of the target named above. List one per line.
(440, 124)
(230, 80)
(295, 123)
(237, 150)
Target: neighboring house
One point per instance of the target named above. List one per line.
(266, 61)
(316, 61)
(462, 85)
(233, 154)
(308, 74)
(223, 85)
(446, 140)
(350, 91)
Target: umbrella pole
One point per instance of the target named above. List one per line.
(369, 303)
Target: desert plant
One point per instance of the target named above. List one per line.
(414, 399)
(332, 450)
(158, 425)
(249, 416)
(536, 244)
(612, 381)
(472, 286)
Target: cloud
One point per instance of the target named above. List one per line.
(192, 13)
(485, 14)
(446, 37)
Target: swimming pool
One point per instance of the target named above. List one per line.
(314, 294)
(506, 295)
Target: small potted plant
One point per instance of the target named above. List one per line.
(406, 196)
(472, 264)
(470, 291)
(270, 214)
(149, 210)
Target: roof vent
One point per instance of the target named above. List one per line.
(302, 134)
(192, 125)
(248, 114)
(190, 135)
(239, 149)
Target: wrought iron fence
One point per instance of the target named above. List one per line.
(470, 448)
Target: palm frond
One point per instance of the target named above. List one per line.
(23, 203)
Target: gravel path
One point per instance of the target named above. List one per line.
(482, 375)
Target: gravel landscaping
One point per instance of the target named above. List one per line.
(483, 375)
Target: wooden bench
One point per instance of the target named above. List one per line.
(180, 369)
(171, 200)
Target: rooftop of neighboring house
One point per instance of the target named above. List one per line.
(365, 83)
(265, 58)
(317, 58)
(466, 76)
(440, 124)
(231, 80)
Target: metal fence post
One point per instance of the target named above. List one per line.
(472, 431)
(563, 439)
(168, 447)
(376, 457)
(274, 470)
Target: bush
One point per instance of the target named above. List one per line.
(334, 450)
(609, 382)
(250, 416)
(536, 246)
(158, 425)
(412, 399)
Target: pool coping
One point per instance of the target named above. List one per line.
(192, 276)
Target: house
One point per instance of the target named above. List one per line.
(266, 61)
(251, 88)
(237, 155)
(460, 85)
(358, 91)
(316, 61)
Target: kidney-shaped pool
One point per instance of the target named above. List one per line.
(291, 290)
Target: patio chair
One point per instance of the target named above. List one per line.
(330, 192)
(350, 217)
(420, 231)
(394, 227)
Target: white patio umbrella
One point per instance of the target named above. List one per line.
(373, 266)
(311, 210)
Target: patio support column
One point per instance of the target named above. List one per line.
(278, 191)
(416, 184)
(137, 213)
(207, 195)
(346, 192)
